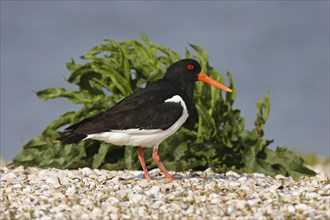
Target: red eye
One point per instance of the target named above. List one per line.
(190, 67)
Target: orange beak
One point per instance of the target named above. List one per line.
(205, 78)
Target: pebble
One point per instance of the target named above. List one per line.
(70, 191)
(35, 193)
(232, 174)
(153, 191)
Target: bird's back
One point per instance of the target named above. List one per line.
(145, 109)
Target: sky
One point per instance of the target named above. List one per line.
(280, 46)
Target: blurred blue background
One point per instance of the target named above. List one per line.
(273, 45)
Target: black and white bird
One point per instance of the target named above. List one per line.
(148, 116)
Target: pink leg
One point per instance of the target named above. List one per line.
(143, 163)
(156, 158)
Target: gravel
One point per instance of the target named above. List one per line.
(99, 194)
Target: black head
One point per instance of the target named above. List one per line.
(184, 71)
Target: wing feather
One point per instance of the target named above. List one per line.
(145, 109)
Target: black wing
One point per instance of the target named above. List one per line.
(145, 109)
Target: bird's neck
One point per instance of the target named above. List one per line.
(186, 91)
(189, 90)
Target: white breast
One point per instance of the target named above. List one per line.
(143, 137)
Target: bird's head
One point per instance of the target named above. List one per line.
(188, 71)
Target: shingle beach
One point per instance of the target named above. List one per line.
(35, 193)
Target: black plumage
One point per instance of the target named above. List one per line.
(145, 109)
(146, 117)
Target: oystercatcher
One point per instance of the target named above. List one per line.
(147, 117)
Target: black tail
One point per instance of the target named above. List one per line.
(71, 138)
